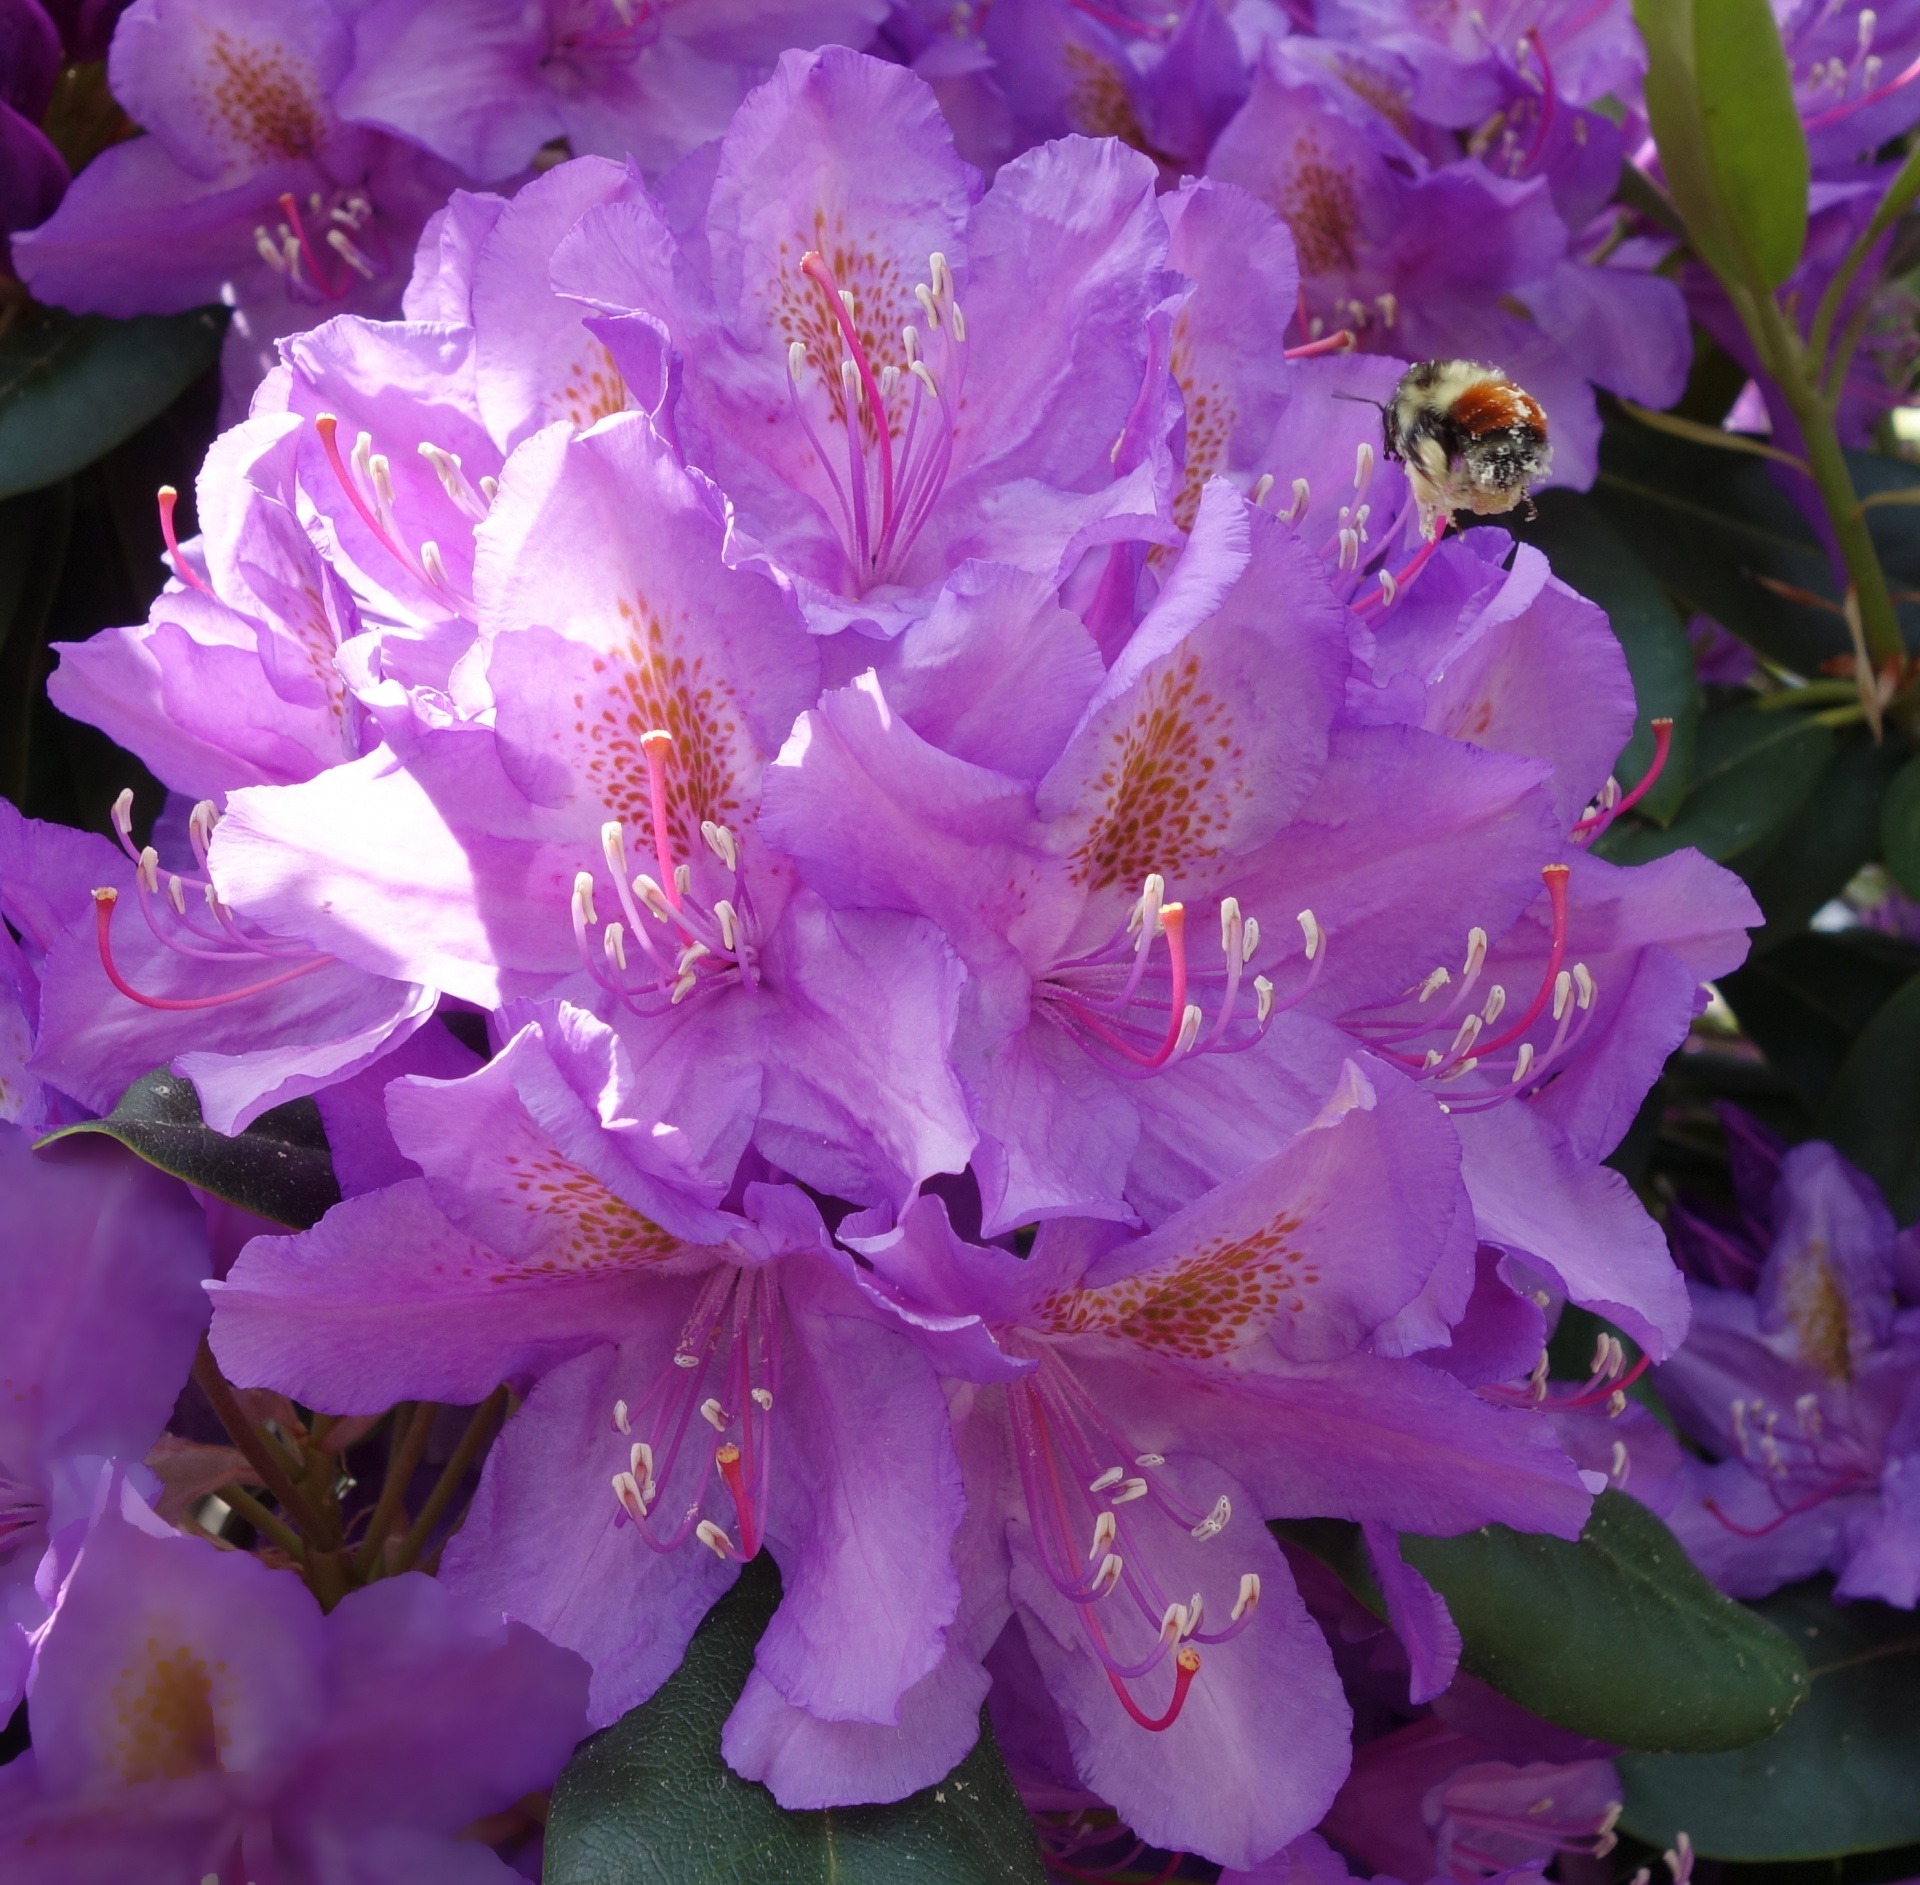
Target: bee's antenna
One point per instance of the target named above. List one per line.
(1360, 399)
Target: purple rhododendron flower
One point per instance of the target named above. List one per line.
(1217, 1365)
(248, 188)
(194, 1715)
(1427, 1801)
(101, 1262)
(862, 365)
(485, 86)
(1802, 1374)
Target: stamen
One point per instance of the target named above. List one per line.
(1104, 1528)
(1662, 745)
(1111, 1477)
(1249, 1594)
(715, 1540)
(1216, 1521)
(714, 1414)
(1129, 1491)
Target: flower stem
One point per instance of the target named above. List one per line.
(472, 1443)
(264, 1458)
(411, 1429)
(269, 1524)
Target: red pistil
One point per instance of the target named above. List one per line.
(1792, 1511)
(1402, 577)
(291, 211)
(103, 902)
(1341, 340)
(1662, 744)
(327, 425)
(169, 497)
(657, 744)
(1547, 101)
(1186, 1665)
(1556, 882)
(814, 267)
(727, 1458)
(1173, 925)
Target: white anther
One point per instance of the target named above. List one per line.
(1349, 549)
(686, 1361)
(1249, 1594)
(1389, 306)
(1469, 1032)
(489, 488)
(1261, 486)
(720, 842)
(1869, 76)
(653, 897)
(342, 245)
(1216, 1521)
(850, 385)
(1869, 19)
(921, 372)
(1617, 1464)
(122, 813)
(928, 306)
(714, 1414)
(1562, 993)
(640, 1463)
(682, 989)
(1249, 938)
(614, 942)
(1362, 467)
(846, 299)
(627, 1490)
(382, 474)
(613, 847)
(621, 1422)
(1523, 1062)
(1107, 1576)
(1461, 1068)
(1147, 910)
(692, 953)
(148, 869)
(715, 1540)
(1603, 1362)
(213, 899)
(1173, 1623)
(1195, 1610)
(1229, 920)
(796, 359)
(433, 563)
(1616, 1404)
(683, 878)
(910, 344)
(1584, 983)
(762, 1398)
(1431, 1061)
(1128, 1491)
(1435, 982)
(1190, 1024)
(889, 382)
(176, 896)
(1302, 497)
(958, 316)
(1495, 1006)
(1149, 1459)
(1104, 1528)
(941, 274)
(1111, 1477)
(1389, 588)
(583, 898)
(269, 249)
(1476, 950)
(729, 922)
(1360, 521)
(1262, 999)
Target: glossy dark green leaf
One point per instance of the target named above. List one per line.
(1752, 773)
(1872, 1110)
(1900, 827)
(1842, 1776)
(1591, 555)
(1834, 831)
(1717, 529)
(279, 1168)
(72, 387)
(1720, 99)
(1805, 1003)
(1616, 1636)
(649, 1801)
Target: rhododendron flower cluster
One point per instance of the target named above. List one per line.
(929, 931)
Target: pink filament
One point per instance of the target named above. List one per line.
(1556, 882)
(815, 268)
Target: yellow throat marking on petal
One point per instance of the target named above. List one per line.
(164, 1726)
(1816, 1308)
(592, 1229)
(1162, 802)
(1320, 203)
(1199, 1305)
(266, 100)
(650, 680)
(591, 388)
(883, 304)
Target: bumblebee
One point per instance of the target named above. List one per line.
(1470, 437)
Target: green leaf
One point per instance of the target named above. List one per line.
(1835, 829)
(1872, 1110)
(1900, 827)
(73, 386)
(1804, 1004)
(1752, 773)
(279, 1168)
(1590, 554)
(1617, 1636)
(649, 1801)
(1842, 1776)
(1719, 96)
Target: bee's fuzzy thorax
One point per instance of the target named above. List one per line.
(1472, 438)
